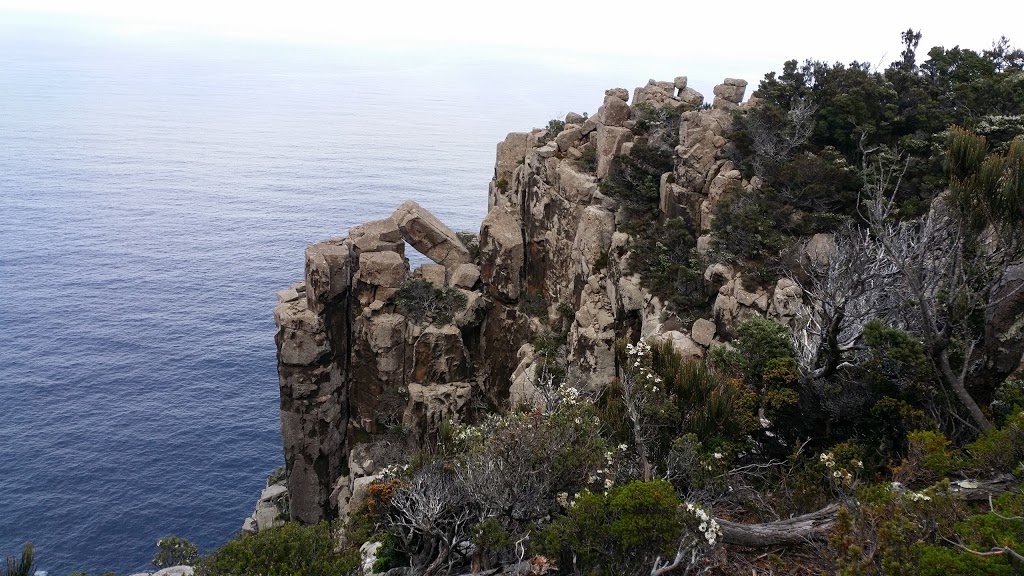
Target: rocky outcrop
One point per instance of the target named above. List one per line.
(365, 379)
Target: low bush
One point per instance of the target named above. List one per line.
(420, 301)
(284, 551)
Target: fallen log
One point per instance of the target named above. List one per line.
(816, 525)
(796, 530)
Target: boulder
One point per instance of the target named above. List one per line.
(328, 273)
(614, 111)
(819, 250)
(377, 236)
(593, 239)
(1004, 322)
(384, 269)
(703, 332)
(429, 236)
(434, 274)
(568, 138)
(439, 356)
(682, 344)
(465, 276)
(574, 118)
(502, 254)
(729, 94)
(431, 405)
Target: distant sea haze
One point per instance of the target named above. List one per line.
(151, 203)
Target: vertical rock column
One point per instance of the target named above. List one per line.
(312, 352)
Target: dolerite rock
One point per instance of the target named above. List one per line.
(593, 239)
(659, 94)
(1004, 322)
(614, 111)
(568, 137)
(511, 153)
(682, 345)
(574, 118)
(439, 355)
(787, 303)
(429, 236)
(435, 274)
(464, 276)
(328, 273)
(432, 404)
(703, 332)
(610, 140)
(380, 275)
(272, 510)
(819, 250)
(701, 140)
(729, 94)
(377, 236)
(301, 337)
(502, 254)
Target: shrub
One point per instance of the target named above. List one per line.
(471, 241)
(174, 551)
(24, 566)
(619, 532)
(587, 162)
(420, 301)
(290, 549)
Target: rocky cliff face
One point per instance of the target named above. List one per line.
(364, 381)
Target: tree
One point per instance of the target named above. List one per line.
(951, 258)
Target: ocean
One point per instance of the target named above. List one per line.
(152, 200)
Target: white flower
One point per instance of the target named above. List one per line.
(608, 483)
(703, 527)
(622, 447)
(718, 455)
(563, 499)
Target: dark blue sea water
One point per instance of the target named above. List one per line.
(151, 202)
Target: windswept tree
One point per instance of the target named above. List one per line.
(950, 259)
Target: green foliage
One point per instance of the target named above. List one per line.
(290, 549)
(533, 304)
(587, 162)
(759, 342)
(619, 532)
(743, 227)
(555, 127)
(174, 551)
(634, 180)
(22, 566)
(1008, 400)
(998, 450)
(421, 302)
(665, 256)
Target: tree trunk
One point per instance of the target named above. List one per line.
(784, 532)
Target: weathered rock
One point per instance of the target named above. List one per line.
(1004, 322)
(729, 94)
(465, 276)
(502, 254)
(703, 332)
(574, 118)
(593, 239)
(511, 153)
(568, 138)
(430, 405)
(377, 236)
(434, 274)
(614, 111)
(301, 334)
(609, 144)
(328, 273)
(429, 236)
(439, 356)
(787, 301)
(380, 275)
(820, 249)
(683, 345)
(679, 83)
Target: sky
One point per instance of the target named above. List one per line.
(738, 39)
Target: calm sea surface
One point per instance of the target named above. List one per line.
(151, 202)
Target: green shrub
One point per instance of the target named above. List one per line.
(759, 342)
(285, 551)
(174, 551)
(471, 241)
(619, 532)
(587, 162)
(420, 301)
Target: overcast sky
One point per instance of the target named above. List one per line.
(743, 39)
